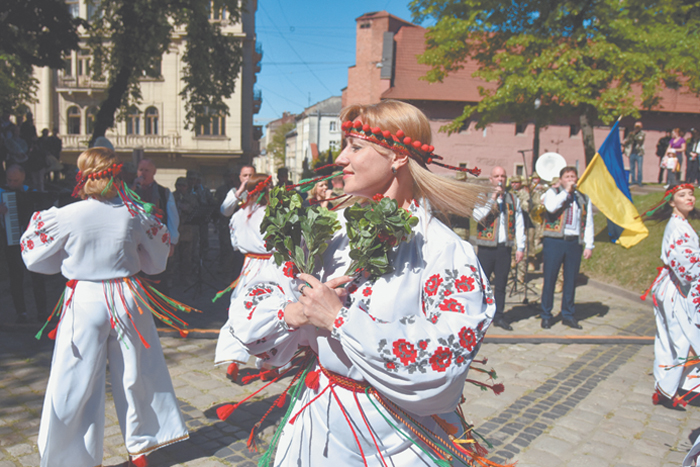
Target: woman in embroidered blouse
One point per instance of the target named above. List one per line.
(407, 338)
(98, 244)
(247, 238)
(676, 292)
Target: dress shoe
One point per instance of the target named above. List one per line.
(572, 323)
(502, 323)
(546, 323)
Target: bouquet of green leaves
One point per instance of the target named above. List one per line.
(298, 234)
(373, 230)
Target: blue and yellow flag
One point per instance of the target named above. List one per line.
(605, 183)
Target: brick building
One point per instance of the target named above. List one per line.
(386, 67)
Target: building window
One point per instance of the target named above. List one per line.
(68, 66)
(520, 128)
(573, 130)
(334, 145)
(365, 26)
(73, 118)
(333, 126)
(519, 170)
(216, 126)
(133, 122)
(151, 121)
(90, 120)
(216, 14)
(84, 62)
(74, 7)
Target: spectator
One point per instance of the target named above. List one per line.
(283, 177)
(319, 194)
(55, 144)
(205, 210)
(634, 145)
(568, 232)
(692, 168)
(27, 130)
(187, 205)
(661, 147)
(672, 166)
(678, 145)
(26, 206)
(237, 196)
(500, 227)
(151, 192)
(221, 221)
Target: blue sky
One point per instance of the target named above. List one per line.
(307, 49)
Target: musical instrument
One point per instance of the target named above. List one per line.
(536, 214)
(12, 224)
(549, 165)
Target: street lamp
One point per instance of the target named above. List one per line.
(536, 138)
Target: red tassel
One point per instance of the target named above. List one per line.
(498, 388)
(281, 400)
(311, 380)
(232, 371)
(269, 375)
(52, 333)
(252, 445)
(225, 411)
(139, 461)
(184, 333)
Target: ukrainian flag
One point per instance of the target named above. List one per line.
(605, 183)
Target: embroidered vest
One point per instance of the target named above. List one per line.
(487, 230)
(553, 222)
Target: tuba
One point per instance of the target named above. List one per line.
(536, 214)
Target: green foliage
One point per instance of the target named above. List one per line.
(373, 230)
(129, 37)
(277, 145)
(602, 59)
(32, 33)
(297, 233)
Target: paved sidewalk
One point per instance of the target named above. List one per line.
(565, 404)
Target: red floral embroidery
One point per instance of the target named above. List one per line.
(367, 291)
(280, 314)
(43, 238)
(30, 244)
(35, 216)
(40, 225)
(465, 284)
(166, 237)
(431, 286)
(423, 344)
(290, 270)
(467, 338)
(459, 360)
(679, 242)
(21, 247)
(447, 292)
(405, 351)
(260, 291)
(452, 305)
(434, 319)
(390, 366)
(441, 359)
(248, 305)
(339, 321)
(673, 263)
(681, 269)
(154, 230)
(489, 300)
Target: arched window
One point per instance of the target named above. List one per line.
(214, 126)
(133, 122)
(90, 120)
(73, 118)
(151, 121)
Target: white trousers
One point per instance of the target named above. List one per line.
(73, 417)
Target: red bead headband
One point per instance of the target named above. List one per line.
(399, 143)
(259, 187)
(112, 171)
(676, 188)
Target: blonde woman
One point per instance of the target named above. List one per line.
(388, 350)
(99, 244)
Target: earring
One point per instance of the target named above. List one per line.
(393, 169)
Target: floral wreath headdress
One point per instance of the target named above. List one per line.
(668, 196)
(400, 143)
(131, 200)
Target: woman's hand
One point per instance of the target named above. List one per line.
(320, 303)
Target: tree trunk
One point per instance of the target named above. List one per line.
(587, 136)
(104, 120)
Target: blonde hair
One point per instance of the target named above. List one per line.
(96, 160)
(445, 195)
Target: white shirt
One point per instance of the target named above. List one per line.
(482, 211)
(95, 240)
(553, 201)
(230, 203)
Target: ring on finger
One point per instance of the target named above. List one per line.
(301, 289)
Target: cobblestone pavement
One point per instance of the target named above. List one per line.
(565, 403)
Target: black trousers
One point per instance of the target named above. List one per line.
(555, 253)
(496, 260)
(17, 270)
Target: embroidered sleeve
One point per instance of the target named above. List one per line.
(257, 320)
(154, 244)
(683, 253)
(42, 243)
(420, 361)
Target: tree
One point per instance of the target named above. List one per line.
(129, 37)
(277, 146)
(595, 59)
(32, 33)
